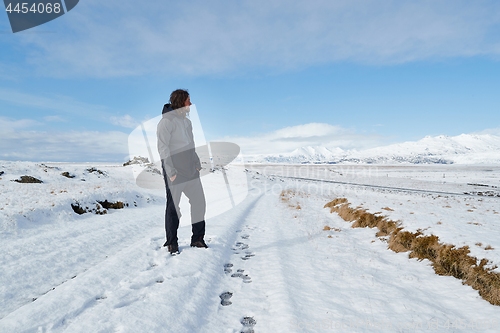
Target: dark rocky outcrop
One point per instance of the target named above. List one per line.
(28, 179)
(67, 174)
(99, 208)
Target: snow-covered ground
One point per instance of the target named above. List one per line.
(269, 261)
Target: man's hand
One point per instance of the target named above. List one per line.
(173, 178)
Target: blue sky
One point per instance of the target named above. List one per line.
(269, 75)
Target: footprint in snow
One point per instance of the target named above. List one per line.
(244, 277)
(152, 265)
(239, 246)
(248, 255)
(227, 268)
(244, 247)
(154, 243)
(225, 296)
(245, 236)
(248, 322)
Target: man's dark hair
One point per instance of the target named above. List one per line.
(178, 97)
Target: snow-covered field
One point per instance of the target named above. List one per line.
(269, 261)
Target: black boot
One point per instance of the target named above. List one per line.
(199, 243)
(173, 249)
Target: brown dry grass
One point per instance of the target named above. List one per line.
(286, 196)
(361, 217)
(474, 223)
(446, 258)
(328, 228)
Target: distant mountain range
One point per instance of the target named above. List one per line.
(461, 149)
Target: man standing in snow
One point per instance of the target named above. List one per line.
(181, 170)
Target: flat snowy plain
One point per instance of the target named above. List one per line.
(280, 270)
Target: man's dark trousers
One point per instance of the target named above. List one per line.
(193, 190)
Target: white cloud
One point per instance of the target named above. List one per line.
(124, 121)
(9, 125)
(54, 119)
(18, 142)
(122, 37)
(288, 139)
(67, 105)
(56, 103)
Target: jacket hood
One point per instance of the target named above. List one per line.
(167, 108)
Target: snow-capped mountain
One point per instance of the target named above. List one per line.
(461, 149)
(304, 154)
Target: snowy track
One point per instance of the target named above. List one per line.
(270, 267)
(182, 290)
(379, 187)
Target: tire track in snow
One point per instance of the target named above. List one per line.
(281, 282)
(61, 249)
(141, 274)
(391, 188)
(189, 303)
(265, 302)
(205, 299)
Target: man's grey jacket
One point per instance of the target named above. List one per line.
(176, 145)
